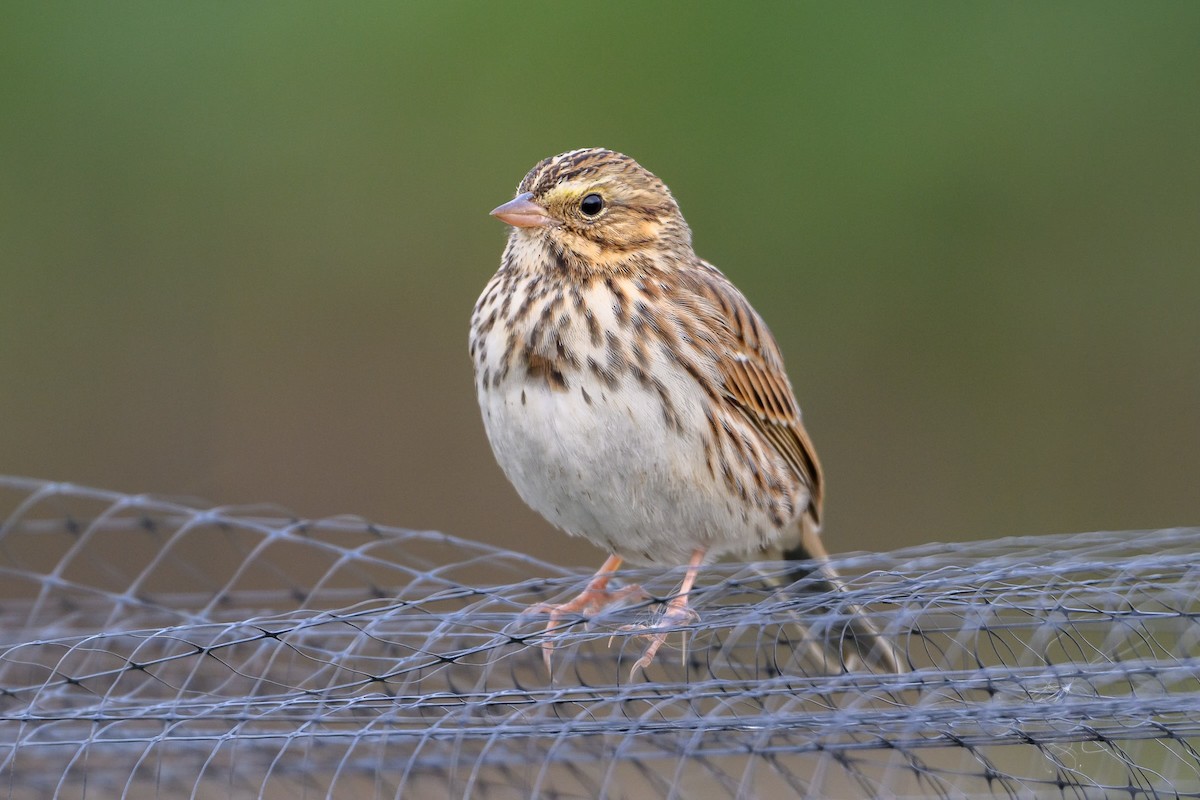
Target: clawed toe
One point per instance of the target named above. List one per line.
(672, 617)
(597, 596)
(676, 615)
(591, 601)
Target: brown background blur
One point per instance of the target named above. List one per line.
(240, 243)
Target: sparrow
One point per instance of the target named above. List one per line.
(633, 396)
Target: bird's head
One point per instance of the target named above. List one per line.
(597, 207)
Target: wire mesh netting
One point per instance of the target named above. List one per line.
(155, 648)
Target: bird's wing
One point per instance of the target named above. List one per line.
(761, 392)
(751, 366)
(754, 380)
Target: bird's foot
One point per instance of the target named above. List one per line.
(591, 601)
(677, 613)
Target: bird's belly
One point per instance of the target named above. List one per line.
(605, 463)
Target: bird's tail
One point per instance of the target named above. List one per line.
(859, 645)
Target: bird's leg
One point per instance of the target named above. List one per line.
(677, 612)
(595, 597)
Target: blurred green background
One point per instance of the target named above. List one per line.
(240, 243)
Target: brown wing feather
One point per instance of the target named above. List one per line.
(764, 397)
(752, 369)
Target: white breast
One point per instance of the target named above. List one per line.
(603, 461)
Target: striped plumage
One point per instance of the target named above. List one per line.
(629, 391)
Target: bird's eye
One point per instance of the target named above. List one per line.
(591, 205)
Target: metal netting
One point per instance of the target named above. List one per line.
(154, 648)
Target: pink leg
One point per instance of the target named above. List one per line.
(592, 600)
(678, 611)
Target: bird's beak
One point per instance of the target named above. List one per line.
(522, 212)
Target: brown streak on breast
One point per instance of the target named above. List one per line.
(604, 373)
(593, 327)
(620, 302)
(538, 367)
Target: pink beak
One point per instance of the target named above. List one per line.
(522, 212)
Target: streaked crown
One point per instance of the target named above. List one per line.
(598, 198)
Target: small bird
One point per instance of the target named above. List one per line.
(632, 395)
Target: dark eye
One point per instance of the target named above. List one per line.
(591, 205)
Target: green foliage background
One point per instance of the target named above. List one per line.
(239, 243)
